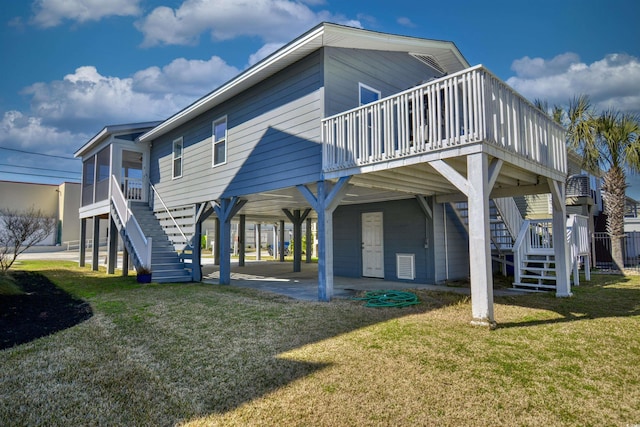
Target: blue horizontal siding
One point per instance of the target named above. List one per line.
(405, 231)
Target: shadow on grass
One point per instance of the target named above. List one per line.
(605, 296)
(42, 309)
(207, 348)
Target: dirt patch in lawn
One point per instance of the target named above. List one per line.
(41, 310)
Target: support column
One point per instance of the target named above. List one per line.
(241, 237)
(309, 242)
(258, 235)
(125, 261)
(95, 247)
(216, 245)
(481, 176)
(274, 240)
(297, 219)
(196, 250)
(225, 210)
(560, 248)
(480, 241)
(112, 246)
(324, 203)
(203, 211)
(83, 242)
(281, 242)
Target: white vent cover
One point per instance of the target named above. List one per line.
(430, 61)
(406, 266)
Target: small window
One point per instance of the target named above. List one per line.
(368, 94)
(220, 141)
(178, 151)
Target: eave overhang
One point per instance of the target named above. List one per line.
(323, 35)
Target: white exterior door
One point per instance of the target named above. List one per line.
(372, 245)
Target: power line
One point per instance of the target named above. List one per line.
(42, 169)
(40, 175)
(38, 154)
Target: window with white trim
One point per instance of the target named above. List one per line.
(367, 94)
(178, 153)
(219, 137)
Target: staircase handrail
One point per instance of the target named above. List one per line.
(578, 240)
(518, 249)
(522, 235)
(140, 243)
(186, 241)
(510, 214)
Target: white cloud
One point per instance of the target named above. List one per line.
(187, 77)
(405, 22)
(71, 110)
(31, 133)
(50, 13)
(28, 133)
(613, 81)
(263, 52)
(87, 99)
(270, 20)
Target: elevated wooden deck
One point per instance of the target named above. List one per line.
(467, 112)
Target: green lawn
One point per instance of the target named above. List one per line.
(196, 354)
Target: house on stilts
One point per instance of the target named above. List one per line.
(408, 159)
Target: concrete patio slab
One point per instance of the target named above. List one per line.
(279, 278)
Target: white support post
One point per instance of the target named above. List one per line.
(560, 248)
(481, 175)
(479, 241)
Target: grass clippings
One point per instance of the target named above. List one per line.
(200, 355)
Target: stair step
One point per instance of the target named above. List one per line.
(533, 287)
(538, 261)
(535, 277)
(530, 268)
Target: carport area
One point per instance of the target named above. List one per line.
(278, 278)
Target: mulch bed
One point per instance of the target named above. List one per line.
(42, 310)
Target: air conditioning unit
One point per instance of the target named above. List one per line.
(406, 266)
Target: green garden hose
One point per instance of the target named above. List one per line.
(389, 298)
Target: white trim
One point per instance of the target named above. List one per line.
(173, 157)
(214, 142)
(370, 89)
(325, 34)
(112, 131)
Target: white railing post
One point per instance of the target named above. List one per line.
(518, 250)
(467, 107)
(140, 245)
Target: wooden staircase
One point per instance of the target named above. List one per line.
(145, 239)
(500, 227)
(530, 244)
(166, 265)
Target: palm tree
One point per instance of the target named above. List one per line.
(608, 141)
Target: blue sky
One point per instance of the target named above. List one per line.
(71, 67)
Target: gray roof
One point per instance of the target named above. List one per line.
(445, 53)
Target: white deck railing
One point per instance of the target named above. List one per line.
(132, 188)
(467, 107)
(140, 243)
